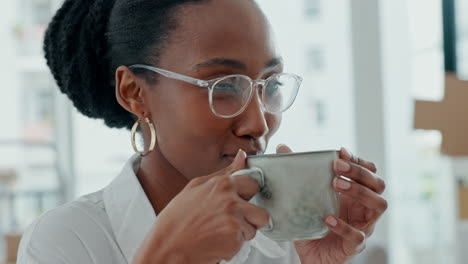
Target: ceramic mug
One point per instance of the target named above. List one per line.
(296, 190)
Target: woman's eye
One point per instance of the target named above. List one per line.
(273, 87)
(224, 87)
(227, 88)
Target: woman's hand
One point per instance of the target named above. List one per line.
(361, 205)
(207, 222)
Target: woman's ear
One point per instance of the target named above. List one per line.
(129, 92)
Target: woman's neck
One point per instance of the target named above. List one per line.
(160, 180)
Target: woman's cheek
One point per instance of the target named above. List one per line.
(274, 122)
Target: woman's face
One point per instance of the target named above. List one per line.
(213, 39)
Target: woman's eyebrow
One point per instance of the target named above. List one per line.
(235, 64)
(274, 62)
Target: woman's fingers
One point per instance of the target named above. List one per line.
(347, 155)
(282, 148)
(248, 230)
(364, 195)
(359, 174)
(245, 186)
(254, 215)
(354, 240)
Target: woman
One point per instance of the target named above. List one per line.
(162, 65)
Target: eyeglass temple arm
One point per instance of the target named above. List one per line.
(172, 75)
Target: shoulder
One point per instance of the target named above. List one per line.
(72, 233)
(86, 213)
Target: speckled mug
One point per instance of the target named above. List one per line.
(296, 190)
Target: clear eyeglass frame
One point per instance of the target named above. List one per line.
(210, 84)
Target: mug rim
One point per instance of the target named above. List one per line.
(292, 153)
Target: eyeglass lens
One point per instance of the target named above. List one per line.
(231, 94)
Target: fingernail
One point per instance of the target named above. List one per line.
(280, 146)
(346, 153)
(240, 152)
(361, 247)
(342, 184)
(342, 166)
(330, 220)
(269, 226)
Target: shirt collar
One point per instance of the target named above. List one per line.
(130, 212)
(132, 216)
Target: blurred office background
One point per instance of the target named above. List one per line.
(364, 62)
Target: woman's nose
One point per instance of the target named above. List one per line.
(252, 121)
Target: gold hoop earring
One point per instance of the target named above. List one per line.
(153, 136)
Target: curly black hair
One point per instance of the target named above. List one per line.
(88, 39)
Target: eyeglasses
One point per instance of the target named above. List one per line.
(230, 95)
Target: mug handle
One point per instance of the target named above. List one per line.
(254, 173)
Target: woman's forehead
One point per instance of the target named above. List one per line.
(231, 32)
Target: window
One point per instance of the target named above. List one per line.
(319, 112)
(32, 18)
(313, 122)
(315, 59)
(462, 38)
(38, 108)
(312, 9)
(30, 171)
(41, 11)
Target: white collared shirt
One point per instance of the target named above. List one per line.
(109, 226)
